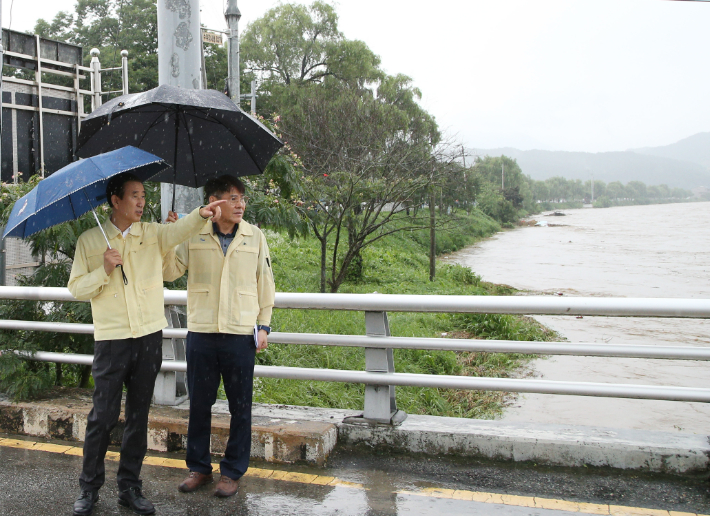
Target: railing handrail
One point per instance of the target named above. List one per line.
(520, 305)
(379, 344)
(440, 344)
(438, 381)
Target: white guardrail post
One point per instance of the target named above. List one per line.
(380, 401)
(171, 386)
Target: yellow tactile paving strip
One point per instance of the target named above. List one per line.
(303, 478)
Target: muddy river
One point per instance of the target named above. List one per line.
(636, 251)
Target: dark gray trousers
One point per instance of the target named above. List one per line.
(134, 363)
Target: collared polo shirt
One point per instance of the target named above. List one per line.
(225, 240)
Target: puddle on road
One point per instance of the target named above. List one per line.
(636, 251)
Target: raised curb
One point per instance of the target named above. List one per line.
(555, 445)
(291, 434)
(273, 439)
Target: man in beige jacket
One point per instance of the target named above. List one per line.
(230, 295)
(128, 315)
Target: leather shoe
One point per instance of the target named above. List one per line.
(84, 505)
(134, 500)
(226, 487)
(193, 481)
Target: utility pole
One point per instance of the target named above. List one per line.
(2, 60)
(179, 64)
(179, 44)
(232, 15)
(592, 188)
(503, 178)
(463, 157)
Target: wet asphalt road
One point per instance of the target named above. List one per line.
(35, 483)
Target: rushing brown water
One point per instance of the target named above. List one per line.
(636, 251)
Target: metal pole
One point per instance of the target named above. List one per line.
(380, 401)
(179, 44)
(41, 112)
(124, 70)
(609, 390)
(95, 79)
(232, 15)
(3, 258)
(179, 64)
(2, 63)
(253, 98)
(203, 66)
(522, 305)
(79, 99)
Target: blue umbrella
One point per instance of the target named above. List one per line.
(77, 188)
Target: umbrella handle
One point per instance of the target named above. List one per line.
(100, 226)
(125, 279)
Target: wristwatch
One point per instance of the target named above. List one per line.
(267, 329)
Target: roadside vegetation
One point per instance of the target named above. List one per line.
(398, 264)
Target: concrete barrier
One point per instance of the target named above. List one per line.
(290, 434)
(273, 439)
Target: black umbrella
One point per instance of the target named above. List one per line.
(200, 132)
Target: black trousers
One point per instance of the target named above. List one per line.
(209, 356)
(134, 363)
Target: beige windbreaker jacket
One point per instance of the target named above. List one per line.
(134, 310)
(225, 293)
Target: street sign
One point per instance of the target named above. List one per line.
(211, 37)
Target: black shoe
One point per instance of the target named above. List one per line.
(134, 500)
(84, 505)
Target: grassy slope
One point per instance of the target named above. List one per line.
(397, 264)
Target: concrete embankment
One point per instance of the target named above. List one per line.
(289, 434)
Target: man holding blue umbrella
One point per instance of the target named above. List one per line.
(128, 315)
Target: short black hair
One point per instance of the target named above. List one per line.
(116, 185)
(221, 185)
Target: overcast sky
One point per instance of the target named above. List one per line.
(577, 75)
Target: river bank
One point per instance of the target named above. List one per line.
(396, 264)
(636, 251)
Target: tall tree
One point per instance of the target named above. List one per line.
(112, 26)
(295, 45)
(364, 159)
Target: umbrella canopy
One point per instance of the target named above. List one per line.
(77, 188)
(200, 132)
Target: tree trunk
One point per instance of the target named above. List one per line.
(432, 236)
(323, 257)
(58, 376)
(85, 376)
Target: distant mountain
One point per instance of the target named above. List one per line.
(695, 148)
(648, 166)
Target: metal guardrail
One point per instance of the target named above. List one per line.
(520, 305)
(433, 344)
(380, 378)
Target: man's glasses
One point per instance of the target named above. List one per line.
(238, 199)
